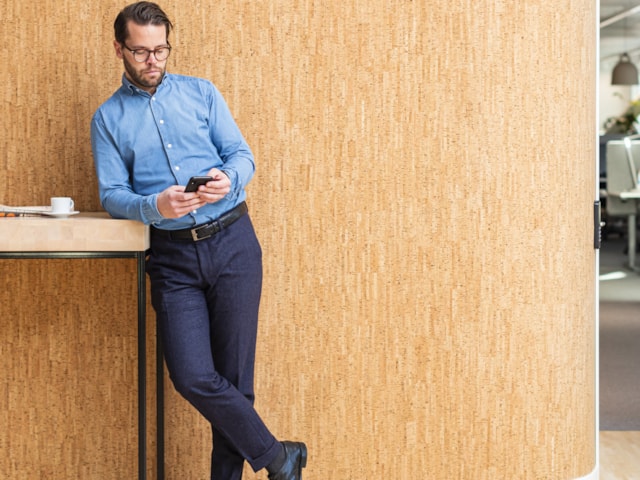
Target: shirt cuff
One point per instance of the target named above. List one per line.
(150, 209)
(233, 177)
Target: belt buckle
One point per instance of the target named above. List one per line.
(194, 234)
(203, 231)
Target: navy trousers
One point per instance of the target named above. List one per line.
(206, 295)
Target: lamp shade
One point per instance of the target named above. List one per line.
(625, 72)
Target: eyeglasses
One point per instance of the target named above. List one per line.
(141, 55)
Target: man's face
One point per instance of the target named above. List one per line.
(146, 75)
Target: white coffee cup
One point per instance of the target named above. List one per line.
(61, 205)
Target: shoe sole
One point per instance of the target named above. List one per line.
(303, 455)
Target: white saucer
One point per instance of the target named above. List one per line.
(59, 215)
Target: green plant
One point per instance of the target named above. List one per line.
(625, 123)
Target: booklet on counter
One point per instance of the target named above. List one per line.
(7, 211)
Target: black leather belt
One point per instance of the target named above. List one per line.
(206, 230)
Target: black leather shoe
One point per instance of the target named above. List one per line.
(296, 460)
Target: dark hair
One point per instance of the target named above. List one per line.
(141, 13)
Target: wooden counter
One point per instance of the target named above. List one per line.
(91, 235)
(90, 231)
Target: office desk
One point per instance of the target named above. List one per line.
(633, 195)
(88, 235)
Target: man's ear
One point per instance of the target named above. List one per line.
(118, 49)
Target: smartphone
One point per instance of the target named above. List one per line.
(195, 182)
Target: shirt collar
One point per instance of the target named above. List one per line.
(132, 89)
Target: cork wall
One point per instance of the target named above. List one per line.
(424, 200)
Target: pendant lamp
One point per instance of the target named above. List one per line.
(625, 72)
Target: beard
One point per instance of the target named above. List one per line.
(140, 78)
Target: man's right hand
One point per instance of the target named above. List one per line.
(175, 203)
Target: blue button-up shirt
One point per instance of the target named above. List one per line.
(144, 143)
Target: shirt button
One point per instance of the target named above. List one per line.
(161, 122)
(177, 169)
(169, 145)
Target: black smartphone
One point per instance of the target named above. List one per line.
(195, 182)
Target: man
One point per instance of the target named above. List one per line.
(205, 263)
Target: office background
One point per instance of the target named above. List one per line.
(424, 200)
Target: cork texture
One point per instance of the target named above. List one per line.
(424, 192)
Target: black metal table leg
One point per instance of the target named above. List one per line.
(159, 404)
(142, 363)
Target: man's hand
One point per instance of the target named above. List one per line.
(216, 189)
(175, 203)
